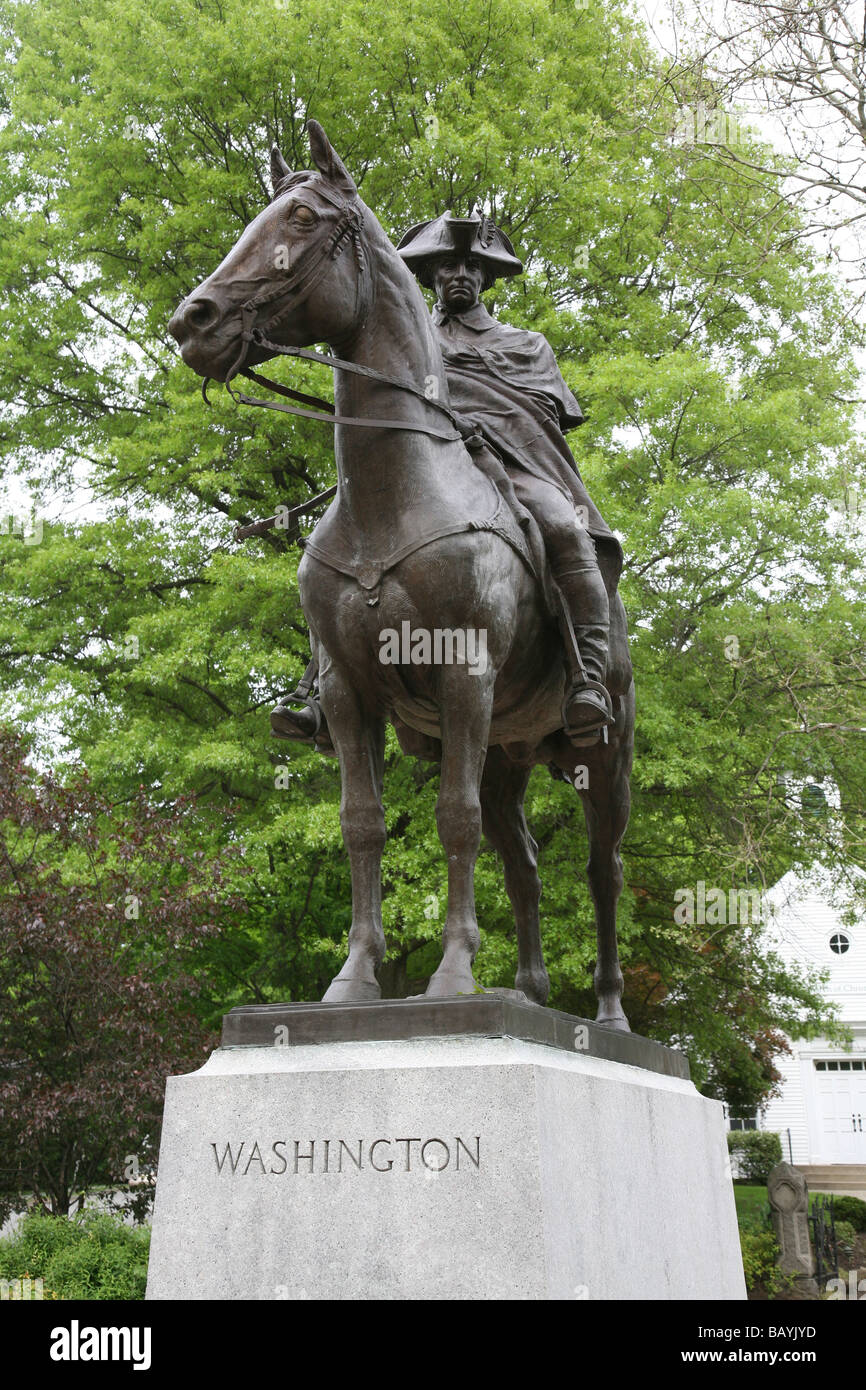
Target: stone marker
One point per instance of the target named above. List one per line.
(439, 1167)
(789, 1201)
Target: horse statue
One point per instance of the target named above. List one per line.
(418, 541)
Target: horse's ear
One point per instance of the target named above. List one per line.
(279, 167)
(327, 160)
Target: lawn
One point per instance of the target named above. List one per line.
(752, 1204)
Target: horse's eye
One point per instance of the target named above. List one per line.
(304, 216)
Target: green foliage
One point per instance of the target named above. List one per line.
(850, 1210)
(713, 355)
(845, 1237)
(760, 1253)
(753, 1208)
(94, 1256)
(743, 1068)
(104, 914)
(760, 1249)
(757, 1151)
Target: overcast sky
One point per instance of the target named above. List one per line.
(668, 37)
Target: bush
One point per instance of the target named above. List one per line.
(94, 1256)
(757, 1151)
(760, 1254)
(851, 1209)
(845, 1237)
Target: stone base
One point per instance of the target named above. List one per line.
(501, 1013)
(443, 1168)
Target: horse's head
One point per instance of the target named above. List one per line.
(295, 275)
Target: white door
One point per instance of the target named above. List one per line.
(840, 1087)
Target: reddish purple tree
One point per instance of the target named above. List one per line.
(103, 920)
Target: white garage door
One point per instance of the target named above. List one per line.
(841, 1093)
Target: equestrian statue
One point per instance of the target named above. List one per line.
(459, 516)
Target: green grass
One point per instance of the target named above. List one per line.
(752, 1202)
(752, 1205)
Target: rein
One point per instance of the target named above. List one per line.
(295, 292)
(287, 520)
(326, 413)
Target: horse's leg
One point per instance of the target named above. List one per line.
(360, 742)
(606, 805)
(465, 704)
(503, 788)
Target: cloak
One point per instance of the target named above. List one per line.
(507, 380)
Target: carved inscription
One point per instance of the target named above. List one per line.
(249, 1157)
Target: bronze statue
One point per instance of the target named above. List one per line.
(506, 379)
(433, 550)
(507, 382)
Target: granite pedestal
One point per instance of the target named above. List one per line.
(456, 1149)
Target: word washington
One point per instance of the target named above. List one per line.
(345, 1156)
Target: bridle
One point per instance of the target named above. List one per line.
(289, 295)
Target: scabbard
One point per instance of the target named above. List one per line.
(285, 520)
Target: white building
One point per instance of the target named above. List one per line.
(821, 1112)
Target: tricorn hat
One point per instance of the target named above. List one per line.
(467, 236)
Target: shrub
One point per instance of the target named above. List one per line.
(34, 1245)
(757, 1151)
(845, 1237)
(95, 1256)
(851, 1209)
(760, 1253)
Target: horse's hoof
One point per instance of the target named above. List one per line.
(535, 984)
(514, 996)
(447, 986)
(617, 1022)
(351, 992)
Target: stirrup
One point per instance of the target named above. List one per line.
(312, 703)
(584, 735)
(283, 707)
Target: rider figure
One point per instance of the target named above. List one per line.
(506, 381)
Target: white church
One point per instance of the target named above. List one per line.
(821, 1112)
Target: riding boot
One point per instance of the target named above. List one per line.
(307, 725)
(587, 706)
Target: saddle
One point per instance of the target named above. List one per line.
(334, 542)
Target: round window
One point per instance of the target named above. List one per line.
(839, 943)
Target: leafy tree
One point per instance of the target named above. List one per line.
(101, 919)
(800, 62)
(713, 355)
